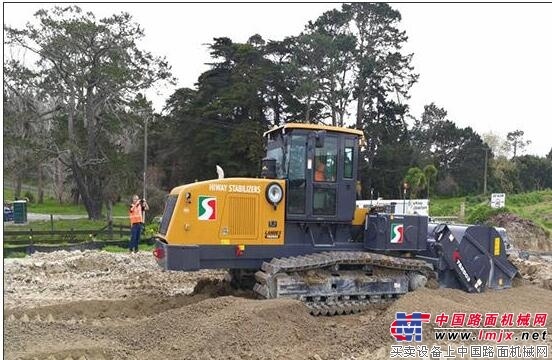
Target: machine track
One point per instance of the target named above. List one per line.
(341, 282)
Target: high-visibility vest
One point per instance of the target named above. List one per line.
(135, 213)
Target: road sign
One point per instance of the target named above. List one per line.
(498, 200)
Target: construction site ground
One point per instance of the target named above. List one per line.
(100, 305)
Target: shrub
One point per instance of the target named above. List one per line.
(29, 195)
(156, 201)
(482, 213)
(525, 199)
(151, 229)
(477, 199)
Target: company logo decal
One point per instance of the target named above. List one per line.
(408, 327)
(397, 233)
(207, 208)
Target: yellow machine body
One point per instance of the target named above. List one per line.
(232, 211)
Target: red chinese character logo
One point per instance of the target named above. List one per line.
(507, 320)
(523, 319)
(540, 319)
(441, 319)
(491, 319)
(474, 319)
(458, 319)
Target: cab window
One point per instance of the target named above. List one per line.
(348, 159)
(325, 161)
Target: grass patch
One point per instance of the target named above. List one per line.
(52, 206)
(535, 206)
(119, 249)
(15, 255)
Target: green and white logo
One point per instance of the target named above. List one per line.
(207, 208)
(397, 233)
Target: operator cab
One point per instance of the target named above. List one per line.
(320, 165)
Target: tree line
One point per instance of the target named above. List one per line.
(75, 118)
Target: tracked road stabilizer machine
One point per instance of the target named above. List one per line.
(298, 233)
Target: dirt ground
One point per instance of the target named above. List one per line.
(98, 305)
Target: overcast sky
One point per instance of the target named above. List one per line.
(488, 65)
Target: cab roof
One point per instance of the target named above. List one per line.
(315, 127)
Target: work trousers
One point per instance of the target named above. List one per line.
(135, 232)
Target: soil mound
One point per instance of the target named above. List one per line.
(524, 234)
(534, 268)
(62, 276)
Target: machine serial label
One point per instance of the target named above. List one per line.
(252, 189)
(496, 246)
(272, 234)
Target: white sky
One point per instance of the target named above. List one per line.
(488, 65)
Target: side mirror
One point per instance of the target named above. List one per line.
(320, 136)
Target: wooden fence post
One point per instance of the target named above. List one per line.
(31, 247)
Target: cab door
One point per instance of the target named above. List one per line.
(298, 187)
(347, 174)
(324, 177)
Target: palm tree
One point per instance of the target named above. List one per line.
(430, 171)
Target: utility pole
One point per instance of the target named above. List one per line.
(485, 179)
(145, 159)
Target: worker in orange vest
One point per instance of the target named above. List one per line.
(136, 221)
(319, 174)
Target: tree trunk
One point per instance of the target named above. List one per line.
(17, 190)
(76, 196)
(341, 116)
(71, 118)
(89, 187)
(307, 114)
(58, 180)
(428, 185)
(276, 110)
(360, 107)
(109, 210)
(88, 179)
(40, 189)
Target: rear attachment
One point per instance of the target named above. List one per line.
(337, 282)
(471, 257)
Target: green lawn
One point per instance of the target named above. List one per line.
(52, 206)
